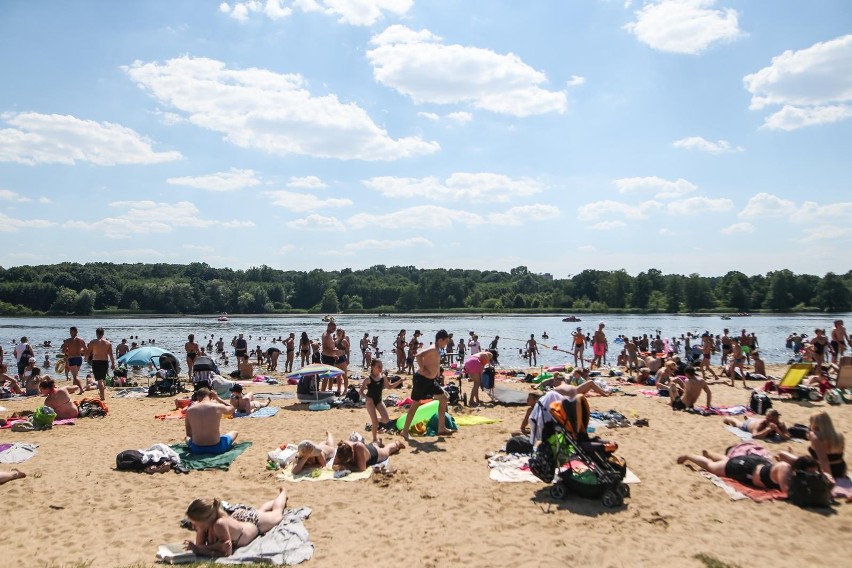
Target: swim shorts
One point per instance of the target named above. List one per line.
(599, 349)
(100, 370)
(473, 366)
(75, 361)
(424, 388)
(328, 360)
(225, 443)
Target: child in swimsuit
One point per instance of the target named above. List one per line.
(373, 386)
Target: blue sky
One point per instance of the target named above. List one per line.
(684, 135)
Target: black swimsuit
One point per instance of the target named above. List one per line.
(374, 390)
(374, 455)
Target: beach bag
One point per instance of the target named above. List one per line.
(519, 445)
(799, 431)
(543, 462)
(759, 403)
(809, 489)
(488, 378)
(834, 397)
(129, 460)
(43, 417)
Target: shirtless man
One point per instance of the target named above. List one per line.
(425, 383)
(59, 399)
(241, 348)
(762, 428)
(726, 346)
(838, 340)
(632, 356)
(599, 346)
(74, 347)
(192, 349)
(103, 359)
(329, 353)
(290, 348)
(532, 350)
(737, 358)
(684, 392)
(706, 353)
(202, 425)
(363, 344)
(122, 348)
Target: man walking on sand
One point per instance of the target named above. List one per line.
(426, 384)
(103, 359)
(74, 347)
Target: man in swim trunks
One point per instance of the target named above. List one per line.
(241, 348)
(426, 383)
(761, 428)
(103, 359)
(706, 353)
(599, 346)
(838, 340)
(684, 391)
(532, 350)
(121, 348)
(74, 347)
(192, 349)
(202, 425)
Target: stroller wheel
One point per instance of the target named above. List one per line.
(611, 499)
(624, 491)
(558, 491)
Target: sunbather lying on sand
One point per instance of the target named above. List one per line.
(751, 469)
(358, 456)
(762, 428)
(311, 454)
(244, 402)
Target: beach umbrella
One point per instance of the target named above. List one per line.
(141, 356)
(316, 370)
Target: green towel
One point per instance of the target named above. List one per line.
(209, 461)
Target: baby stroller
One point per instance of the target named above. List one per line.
(167, 376)
(589, 466)
(203, 369)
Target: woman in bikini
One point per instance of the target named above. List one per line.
(219, 532)
(827, 446)
(579, 347)
(358, 456)
(399, 346)
(474, 366)
(819, 343)
(310, 454)
(290, 345)
(305, 349)
(372, 387)
(59, 399)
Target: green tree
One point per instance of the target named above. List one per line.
(779, 298)
(833, 294)
(84, 304)
(696, 293)
(330, 304)
(674, 294)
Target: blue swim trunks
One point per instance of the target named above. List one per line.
(225, 443)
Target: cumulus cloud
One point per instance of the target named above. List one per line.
(221, 181)
(9, 195)
(421, 216)
(828, 234)
(354, 12)
(307, 182)
(272, 112)
(737, 228)
(517, 216)
(36, 138)
(699, 206)
(457, 187)
(662, 188)
(454, 117)
(304, 201)
(12, 225)
(813, 85)
(767, 205)
(147, 217)
(421, 66)
(700, 144)
(608, 208)
(375, 244)
(272, 9)
(314, 222)
(576, 81)
(684, 26)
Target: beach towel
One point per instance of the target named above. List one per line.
(473, 420)
(178, 414)
(774, 439)
(131, 392)
(511, 468)
(725, 410)
(62, 422)
(287, 543)
(327, 474)
(650, 393)
(738, 491)
(842, 490)
(264, 412)
(274, 395)
(509, 396)
(17, 452)
(209, 461)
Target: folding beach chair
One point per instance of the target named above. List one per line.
(793, 377)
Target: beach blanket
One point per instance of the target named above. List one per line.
(131, 392)
(842, 490)
(473, 420)
(775, 439)
(738, 491)
(274, 395)
(62, 422)
(178, 414)
(287, 543)
(327, 474)
(209, 461)
(725, 410)
(509, 396)
(17, 452)
(650, 393)
(264, 412)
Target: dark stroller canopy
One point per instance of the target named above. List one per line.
(169, 362)
(203, 363)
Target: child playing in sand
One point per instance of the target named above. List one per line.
(373, 386)
(218, 533)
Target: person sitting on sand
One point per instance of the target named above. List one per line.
(827, 446)
(202, 424)
(684, 392)
(762, 428)
(244, 402)
(752, 469)
(31, 378)
(246, 368)
(358, 456)
(310, 454)
(59, 399)
(13, 474)
(218, 533)
(8, 381)
(372, 387)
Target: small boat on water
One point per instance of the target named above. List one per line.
(725, 317)
(571, 319)
(222, 317)
(328, 319)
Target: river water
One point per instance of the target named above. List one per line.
(171, 332)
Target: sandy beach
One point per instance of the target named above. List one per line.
(437, 508)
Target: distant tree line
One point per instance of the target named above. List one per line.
(84, 289)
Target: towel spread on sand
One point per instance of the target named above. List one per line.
(274, 395)
(472, 420)
(178, 414)
(737, 491)
(61, 422)
(287, 543)
(131, 392)
(17, 452)
(738, 432)
(264, 412)
(842, 490)
(209, 461)
(327, 474)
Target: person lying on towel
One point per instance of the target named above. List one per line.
(202, 424)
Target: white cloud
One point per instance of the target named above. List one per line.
(827, 234)
(272, 112)
(813, 85)
(608, 208)
(307, 182)
(221, 181)
(608, 225)
(354, 12)
(135, 253)
(417, 64)
(314, 222)
(53, 138)
(241, 10)
(460, 117)
(45, 200)
(699, 206)
(663, 188)
(459, 186)
(375, 244)
(524, 214)
(684, 26)
(421, 216)
(576, 81)
(767, 205)
(11, 225)
(811, 212)
(304, 201)
(429, 116)
(702, 145)
(147, 217)
(9, 195)
(665, 232)
(737, 228)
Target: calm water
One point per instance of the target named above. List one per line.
(171, 332)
